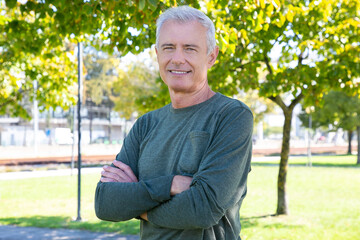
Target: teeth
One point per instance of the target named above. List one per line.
(178, 72)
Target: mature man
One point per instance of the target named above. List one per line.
(183, 168)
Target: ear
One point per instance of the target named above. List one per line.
(212, 56)
(157, 54)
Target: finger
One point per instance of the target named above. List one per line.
(128, 171)
(118, 175)
(105, 179)
(116, 171)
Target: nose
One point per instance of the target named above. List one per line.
(178, 57)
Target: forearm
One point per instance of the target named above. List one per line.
(190, 209)
(115, 201)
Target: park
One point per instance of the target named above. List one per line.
(64, 63)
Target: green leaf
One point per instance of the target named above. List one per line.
(289, 16)
(262, 4)
(142, 4)
(153, 3)
(269, 10)
(10, 3)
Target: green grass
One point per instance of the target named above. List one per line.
(324, 202)
(52, 202)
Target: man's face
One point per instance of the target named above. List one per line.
(182, 56)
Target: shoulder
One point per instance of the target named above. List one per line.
(150, 119)
(227, 105)
(155, 114)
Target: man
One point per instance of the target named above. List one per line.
(183, 168)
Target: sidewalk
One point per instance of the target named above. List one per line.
(46, 173)
(8, 232)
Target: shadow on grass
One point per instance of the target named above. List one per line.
(248, 222)
(270, 221)
(131, 227)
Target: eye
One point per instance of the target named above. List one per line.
(168, 48)
(189, 49)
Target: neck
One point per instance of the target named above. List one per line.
(182, 100)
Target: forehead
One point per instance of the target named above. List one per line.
(174, 32)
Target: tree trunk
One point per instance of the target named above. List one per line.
(358, 145)
(350, 134)
(282, 204)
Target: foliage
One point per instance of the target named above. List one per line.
(26, 56)
(305, 48)
(338, 109)
(137, 82)
(259, 106)
(39, 29)
(101, 72)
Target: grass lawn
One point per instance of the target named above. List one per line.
(324, 202)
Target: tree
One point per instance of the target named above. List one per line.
(25, 58)
(101, 72)
(39, 29)
(139, 81)
(305, 48)
(339, 110)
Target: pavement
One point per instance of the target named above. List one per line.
(8, 232)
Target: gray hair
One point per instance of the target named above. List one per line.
(184, 14)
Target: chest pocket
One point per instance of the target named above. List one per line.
(193, 151)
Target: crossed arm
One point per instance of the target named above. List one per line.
(123, 173)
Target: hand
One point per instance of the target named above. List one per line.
(180, 184)
(121, 174)
(144, 216)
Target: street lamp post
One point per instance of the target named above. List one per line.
(80, 89)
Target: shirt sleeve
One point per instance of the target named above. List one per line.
(220, 182)
(116, 201)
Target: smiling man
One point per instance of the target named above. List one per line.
(183, 168)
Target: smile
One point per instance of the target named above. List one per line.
(179, 72)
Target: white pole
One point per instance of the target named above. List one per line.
(35, 119)
(309, 142)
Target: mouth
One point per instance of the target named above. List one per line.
(179, 72)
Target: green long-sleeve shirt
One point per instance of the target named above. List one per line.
(211, 142)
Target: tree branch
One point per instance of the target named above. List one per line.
(296, 100)
(244, 64)
(267, 62)
(277, 99)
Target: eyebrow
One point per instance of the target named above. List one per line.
(191, 45)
